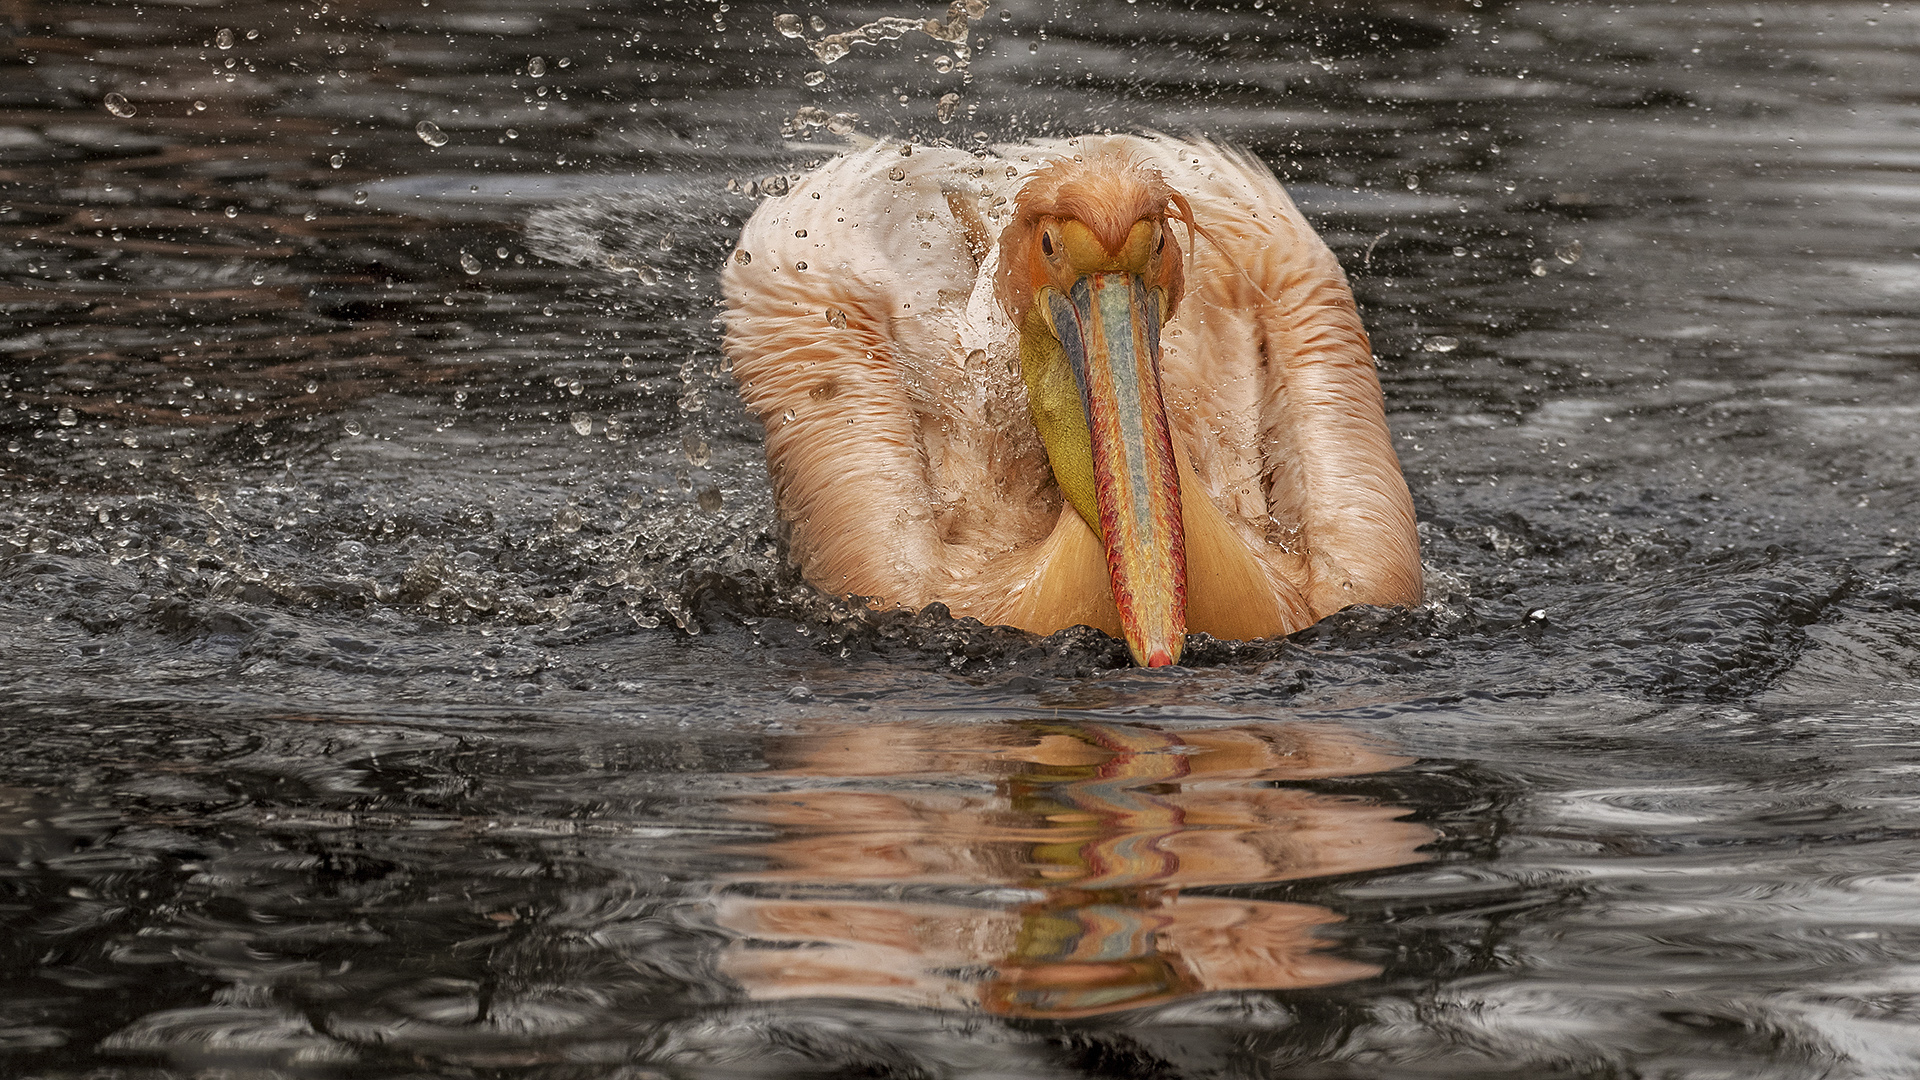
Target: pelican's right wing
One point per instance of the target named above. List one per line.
(845, 301)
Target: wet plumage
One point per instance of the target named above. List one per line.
(892, 320)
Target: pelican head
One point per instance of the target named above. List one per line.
(1089, 271)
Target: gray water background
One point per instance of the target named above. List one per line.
(394, 626)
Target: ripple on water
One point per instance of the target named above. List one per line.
(1033, 867)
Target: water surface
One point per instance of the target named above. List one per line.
(404, 678)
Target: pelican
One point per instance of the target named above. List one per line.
(1146, 405)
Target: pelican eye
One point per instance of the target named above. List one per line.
(1162, 245)
(1046, 243)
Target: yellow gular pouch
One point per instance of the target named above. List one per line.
(1053, 398)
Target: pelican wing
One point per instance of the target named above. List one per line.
(1270, 385)
(897, 437)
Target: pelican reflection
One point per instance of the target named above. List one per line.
(1046, 861)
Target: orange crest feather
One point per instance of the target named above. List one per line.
(1106, 191)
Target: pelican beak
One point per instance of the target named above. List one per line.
(1108, 325)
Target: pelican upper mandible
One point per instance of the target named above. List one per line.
(1146, 405)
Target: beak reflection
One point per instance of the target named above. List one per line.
(1035, 869)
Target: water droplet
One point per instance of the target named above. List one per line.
(948, 106)
(39, 544)
(310, 216)
(1441, 344)
(697, 451)
(742, 258)
(709, 499)
(312, 387)
(818, 24)
(536, 67)
(896, 173)
(352, 427)
(430, 133)
(801, 233)
(232, 211)
(1459, 253)
(359, 198)
(843, 123)
(259, 279)
(567, 520)
(67, 418)
(223, 38)
(943, 63)
(500, 253)
(1539, 268)
(582, 423)
(836, 318)
(512, 134)
(814, 78)
(787, 417)
(1568, 253)
(253, 35)
(1413, 183)
(788, 25)
(118, 105)
(468, 263)
(199, 106)
(337, 160)
(800, 265)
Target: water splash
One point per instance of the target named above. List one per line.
(954, 29)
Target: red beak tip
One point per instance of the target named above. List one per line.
(1159, 659)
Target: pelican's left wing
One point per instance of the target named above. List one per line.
(1270, 375)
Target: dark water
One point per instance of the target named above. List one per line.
(403, 679)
